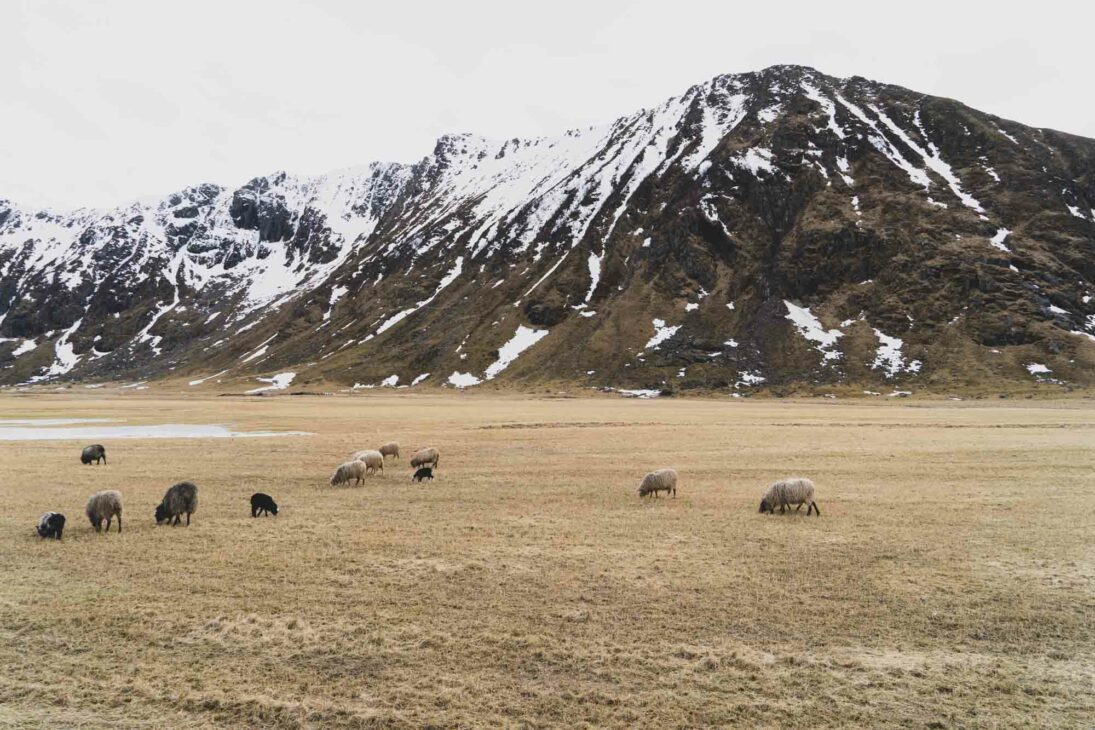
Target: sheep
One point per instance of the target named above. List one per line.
(372, 460)
(183, 497)
(52, 525)
(350, 470)
(105, 506)
(95, 453)
(428, 456)
(785, 492)
(423, 473)
(263, 503)
(390, 449)
(658, 481)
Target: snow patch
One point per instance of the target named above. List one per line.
(463, 380)
(280, 381)
(889, 357)
(662, 332)
(810, 327)
(199, 381)
(523, 339)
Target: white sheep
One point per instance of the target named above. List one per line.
(662, 480)
(390, 449)
(785, 492)
(429, 456)
(105, 506)
(350, 470)
(373, 460)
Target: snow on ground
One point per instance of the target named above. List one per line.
(661, 334)
(810, 327)
(24, 348)
(639, 392)
(889, 357)
(749, 378)
(199, 381)
(998, 239)
(755, 160)
(1075, 211)
(336, 293)
(1037, 368)
(449, 278)
(523, 339)
(691, 307)
(390, 382)
(65, 357)
(280, 381)
(259, 351)
(419, 379)
(885, 146)
(827, 106)
(594, 274)
(463, 380)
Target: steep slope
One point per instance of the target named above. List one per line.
(775, 229)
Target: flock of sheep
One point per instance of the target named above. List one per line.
(182, 498)
(106, 506)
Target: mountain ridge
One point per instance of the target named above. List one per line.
(816, 211)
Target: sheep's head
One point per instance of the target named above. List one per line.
(765, 507)
(161, 513)
(274, 508)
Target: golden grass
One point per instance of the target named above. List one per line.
(948, 583)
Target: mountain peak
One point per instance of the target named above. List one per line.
(780, 229)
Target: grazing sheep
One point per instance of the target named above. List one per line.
(263, 503)
(372, 460)
(179, 499)
(105, 506)
(662, 480)
(785, 492)
(423, 473)
(350, 470)
(52, 525)
(389, 449)
(95, 453)
(428, 456)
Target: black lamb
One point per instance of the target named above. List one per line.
(263, 503)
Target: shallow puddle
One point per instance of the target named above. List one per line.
(58, 429)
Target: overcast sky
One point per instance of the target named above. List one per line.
(107, 101)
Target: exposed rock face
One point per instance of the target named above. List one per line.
(770, 229)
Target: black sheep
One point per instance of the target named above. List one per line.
(52, 525)
(95, 453)
(422, 474)
(263, 503)
(179, 500)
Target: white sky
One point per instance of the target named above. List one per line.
(108, 100)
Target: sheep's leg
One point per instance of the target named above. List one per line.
(119, 525)
(800, 507)
(816, 510)
(108, 519)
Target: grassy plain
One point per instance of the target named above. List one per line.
(950, 581)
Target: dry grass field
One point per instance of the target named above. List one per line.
(949, 582)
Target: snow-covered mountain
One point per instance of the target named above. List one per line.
(769, 229)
